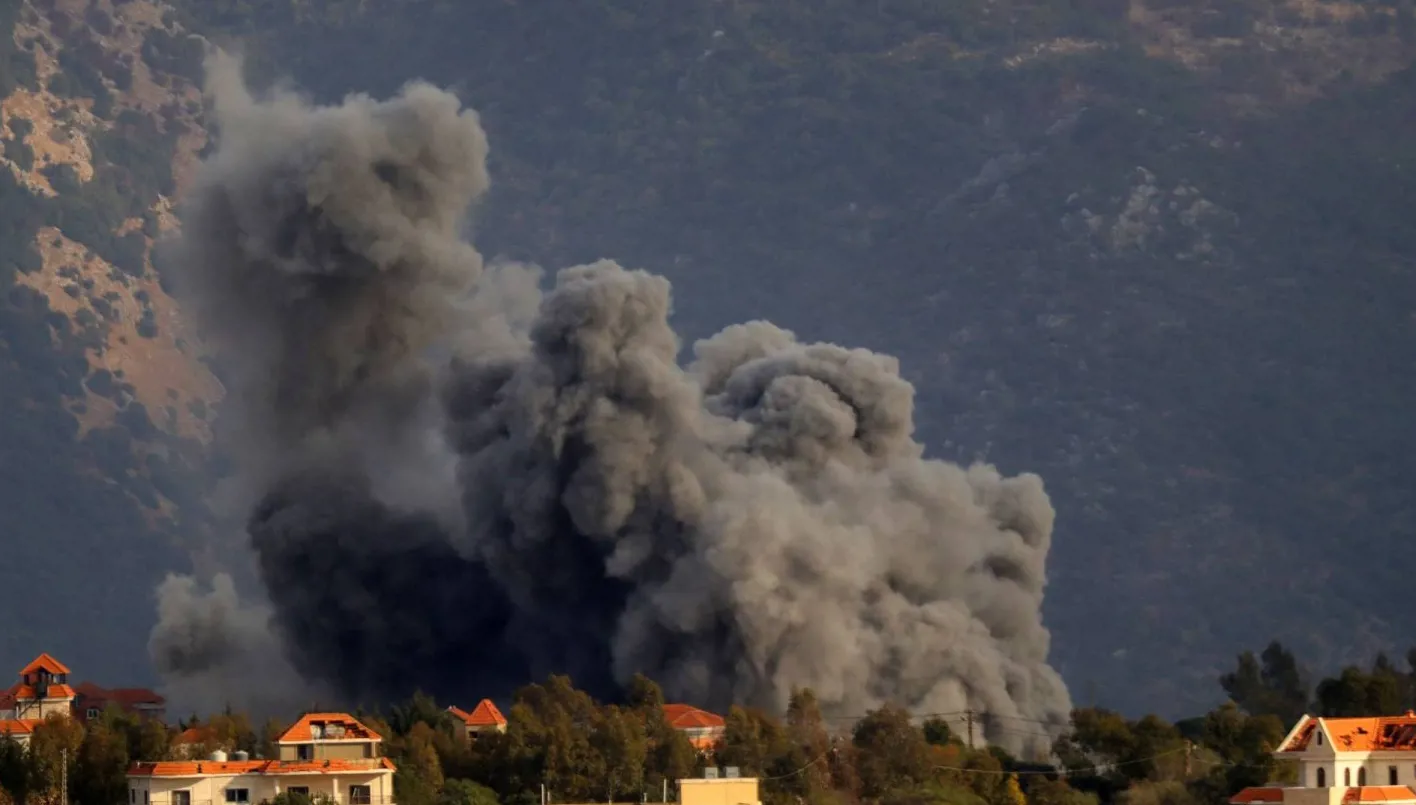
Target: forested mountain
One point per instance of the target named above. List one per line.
(1158, 252)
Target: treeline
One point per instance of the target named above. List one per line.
(583, 750)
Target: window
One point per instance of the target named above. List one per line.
(303, 790)
(305, 752)
(145, 797)
(181, 798)
(1361, 776)
(1320, 739)
(1322, 777)
(238, 795)
(359, 795)
(92, 712)
(132, 795)
(1347, 777)
(1391, 775)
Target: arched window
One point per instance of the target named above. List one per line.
(1322, 777)
(1347, 777)
(1361, 776)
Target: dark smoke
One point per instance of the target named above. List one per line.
(561, 495)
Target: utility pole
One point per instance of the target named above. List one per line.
(64, 776)
(666, 790)
(1189, 749)
(968, 719)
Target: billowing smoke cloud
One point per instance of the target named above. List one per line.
(465, 484)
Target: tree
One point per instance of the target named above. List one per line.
(57, 738)
(618, 737)
(810, 746)
(1271, 684)
(419, 776)
(892, 754)
(466, 792)
(751, 739)
(14, 771)
(937, 731)
(1044, 791)
(100, 773)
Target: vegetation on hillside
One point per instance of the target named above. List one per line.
(92, 468)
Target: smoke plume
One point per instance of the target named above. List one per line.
(462, 484)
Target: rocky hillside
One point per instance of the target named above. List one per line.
(1158, 251)
(105, 402)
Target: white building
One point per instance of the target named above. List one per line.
(1345, 761)
(326, 756)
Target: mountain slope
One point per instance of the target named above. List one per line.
(105, 402)
(1158, 252)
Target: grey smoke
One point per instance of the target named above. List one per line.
(465, 484)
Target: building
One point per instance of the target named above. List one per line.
(44, 691)
(704, 729)
(92, 700)
(485, 717)
(1345, 761)
(326, 756)
(715, 789)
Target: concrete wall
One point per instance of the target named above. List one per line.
(211, 789)
(739, 791)
(331, 750)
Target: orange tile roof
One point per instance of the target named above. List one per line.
(688, 717)
(1379, 793)
(44, 662)
(193, 768)
(193, 735)
(18, 726)
(1257, 794)
(1380, 734)
(353, 730)
(485, 714)
(59, 692)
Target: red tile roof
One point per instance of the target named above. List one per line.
(193, 768)
(18, 726)
(1385, 734)
(44, 662)
(1257, 794)
(353, 730)
(193, 735)
(485, 714)
(687, 717)
(1379, 793)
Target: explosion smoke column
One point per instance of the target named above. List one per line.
(561, 495)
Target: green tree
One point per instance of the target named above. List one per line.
(810, 747)
(466, 792)
(100, 773)
(419, 776)
(618, 737)
(937, 732)
(891, 752)
(52, 741)
(1270, 684)
(1045, 791)
(14, 771)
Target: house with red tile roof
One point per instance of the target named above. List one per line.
(704, 729)
(1345, 761)
(485, 717)
(328, 756)
(44, 691)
